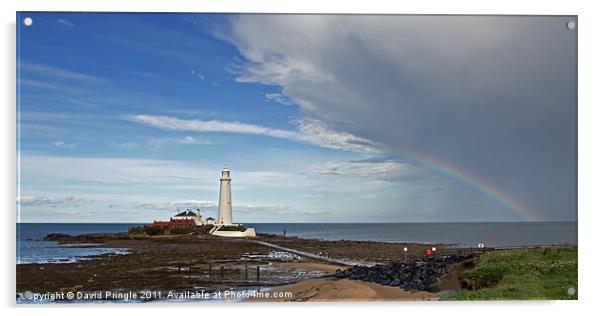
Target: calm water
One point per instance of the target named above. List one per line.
(463, 234)
(31, 248)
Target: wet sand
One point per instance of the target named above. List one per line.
(332, 289)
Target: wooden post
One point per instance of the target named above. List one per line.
(257, 272)
(246, 272)
(221, 271)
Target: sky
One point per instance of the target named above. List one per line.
(320, 118)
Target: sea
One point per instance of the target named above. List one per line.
(32, 249)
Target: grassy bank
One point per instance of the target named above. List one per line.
(521, 274)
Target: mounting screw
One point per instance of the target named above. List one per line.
(571, 25)
(571, 291)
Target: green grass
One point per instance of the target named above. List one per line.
(522, 274)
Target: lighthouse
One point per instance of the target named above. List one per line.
(223, 226)
(224, 217)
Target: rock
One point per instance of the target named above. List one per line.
(433, 288)
(57, 236)
(411, 275)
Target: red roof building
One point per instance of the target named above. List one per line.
(173, 224)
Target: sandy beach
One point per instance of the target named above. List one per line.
(332, 289)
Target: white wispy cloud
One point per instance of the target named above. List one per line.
(139, 73)
(316, 132)
(187, 140)
(275, 210)
(159, 141)
(61, 73)
(45, 85)
(190, 140)
(181, 177)
(77, 101)
(310, 131)
(63, 144)
(280, 98)
(380, 170)
(125, 145)
(174, 205)
(67, 201)
(198, 75)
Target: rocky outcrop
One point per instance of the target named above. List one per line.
(419, 275)
(86, 238)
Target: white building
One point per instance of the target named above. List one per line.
(189, 214)
(223, 226)
(209, 221)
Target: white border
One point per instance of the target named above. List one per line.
(590, 156)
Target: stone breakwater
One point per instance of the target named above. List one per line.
(421, 274)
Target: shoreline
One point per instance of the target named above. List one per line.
(332, 289)
(193, 263)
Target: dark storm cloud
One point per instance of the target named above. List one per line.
(492, 95)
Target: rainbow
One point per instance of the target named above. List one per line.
(472, 181)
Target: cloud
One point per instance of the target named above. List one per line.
(190, 141)
(160, 141)
(240, 209)
(67, 201)
(156, 142)
(78, 101)
(97, 173)
(187, 140)
(384, 170)
(45, 85)
(198, 75)
(316, 132)
(125, 145)
(63, 144)
(143, 185)
(494, 96)
(175, 205)
(65, 22)
(60, 73)
(139, 73)
(182, 178)
(276, 210)
(278, 97)
(310, 131)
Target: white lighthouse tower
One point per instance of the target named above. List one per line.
(224, 217)
(224, 227)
